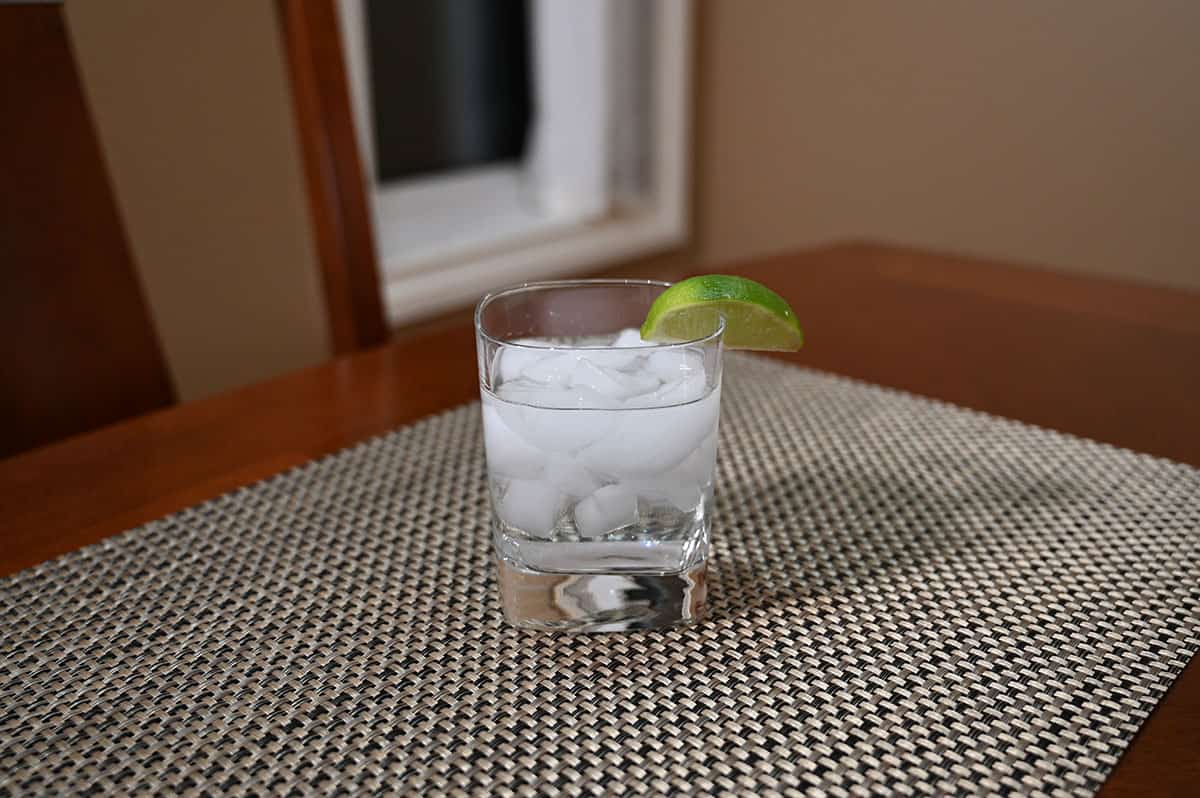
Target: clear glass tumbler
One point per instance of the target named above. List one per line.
(600, 453)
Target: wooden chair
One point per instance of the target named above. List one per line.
(79, 348)
(333, 168)
(77, 345)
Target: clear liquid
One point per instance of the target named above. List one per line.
(614, 491)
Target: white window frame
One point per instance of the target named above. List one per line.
(424, 274)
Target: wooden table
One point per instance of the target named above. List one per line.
(1104, 359)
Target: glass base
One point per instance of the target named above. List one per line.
(600, 602)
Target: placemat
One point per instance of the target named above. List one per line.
(906, 597)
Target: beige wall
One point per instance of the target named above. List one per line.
(1050, 132)
(1056, 133)
(191, 102)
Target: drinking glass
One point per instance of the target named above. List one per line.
(600, 453)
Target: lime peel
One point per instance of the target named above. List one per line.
(755, 316)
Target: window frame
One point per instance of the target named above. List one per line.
(424, 277)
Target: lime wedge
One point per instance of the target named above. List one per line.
(755, 316)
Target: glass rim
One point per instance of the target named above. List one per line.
(538, 285)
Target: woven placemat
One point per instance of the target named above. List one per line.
(907, 597)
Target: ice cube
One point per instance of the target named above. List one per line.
(683, 485)
(610, 382)
(609, 508)
(530, 505)
(677, 392)
(570, 477)
(615, 359)
(507, 453)
(700, 464)
(649, 442)
(630, 337)
(537, 395)
(626, 352)
(511, 361)
(554, 369)
(682, 492)
(670, 365)
(587, 374)
(556, 420)
(688, 389)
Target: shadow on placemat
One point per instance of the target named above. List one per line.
(877, 528)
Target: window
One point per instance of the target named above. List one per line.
(508, 141)
(450, 84)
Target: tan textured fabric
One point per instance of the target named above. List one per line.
(904, 595)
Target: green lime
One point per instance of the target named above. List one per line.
(755, 316)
